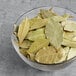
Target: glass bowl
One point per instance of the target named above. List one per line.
(30, 14)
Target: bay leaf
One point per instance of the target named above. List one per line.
(35, 46)
(72, 53)
(69, 43)
(47, 13)
(37, 23)
(23, 30)
(48, 55)
(25, 44)
(65, 52)
(23, 51)
(54, 33)
(70, 25)
(37, 34)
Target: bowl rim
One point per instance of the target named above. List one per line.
(72, 59)
(41, 7)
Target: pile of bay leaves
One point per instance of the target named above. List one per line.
(48, 38)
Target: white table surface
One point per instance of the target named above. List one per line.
(10, 62)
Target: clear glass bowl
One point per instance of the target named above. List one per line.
(30, 14)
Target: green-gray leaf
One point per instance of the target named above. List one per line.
(54, 33)
(37, 34)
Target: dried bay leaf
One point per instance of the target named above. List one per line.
(35, 46)
(23, 51)
(54, 33)
(25, 44)
(70, 25)
(23, 30)
(69, 43)
(72, 53)
(69, 35)
(65, 52)
(37, 34)
(58, 18)
(47, 13)
(16, 29)
(37, 23)
(48, 55)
